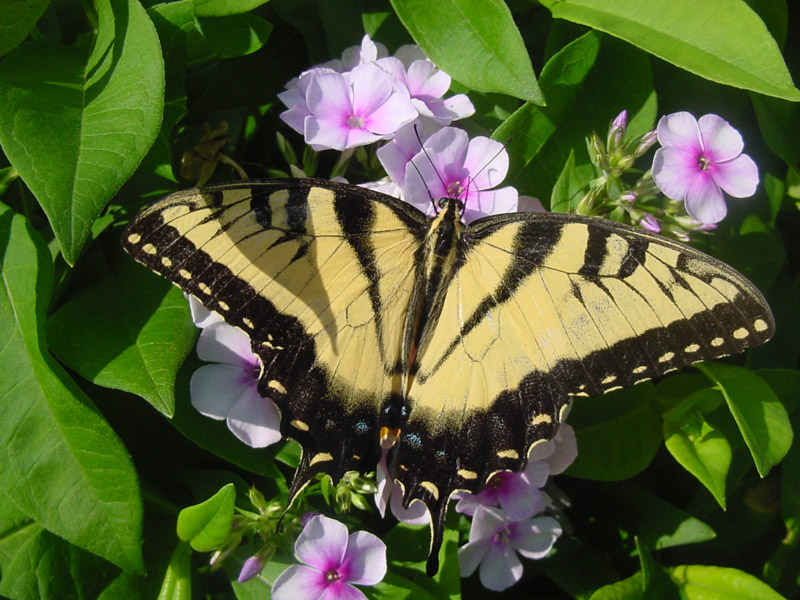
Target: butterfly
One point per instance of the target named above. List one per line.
(454, 347)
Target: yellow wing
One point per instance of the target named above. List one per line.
(544, 306)
(319, 275)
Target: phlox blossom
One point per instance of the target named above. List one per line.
(354, 108)
(228, 388)
(517, 494)
(495, 540)
(698, 160)
(453, 166)
(333, 562)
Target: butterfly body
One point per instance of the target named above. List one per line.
(457, 347)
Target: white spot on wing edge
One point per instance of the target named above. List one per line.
(134, 238)
(760, 325)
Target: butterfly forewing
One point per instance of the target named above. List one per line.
(319, 278)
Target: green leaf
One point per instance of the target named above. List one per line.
(657, 523)
(37, 564)
(236, 35)
(583, 93)
(618, 434)
(177, 584)
(76, 124)
(531, 126)
(475, 42)
(19, 17)
(761, 417)
(694, 36)
(627, 589)
(656, 585)
(58, 451)
(207, 525)
(569, 187)
(698, 582)
(124, 328)
(223, 8)
(779, 122)
(697, 445)
(407, 551)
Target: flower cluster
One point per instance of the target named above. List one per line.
(697, 161)
(368, 96)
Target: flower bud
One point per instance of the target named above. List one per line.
(597, 150)
(650, 223)
(645, 143)
(617, 130)
(251, 568)
(629, 197)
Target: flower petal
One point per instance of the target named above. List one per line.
(328, 97)
(738, 177)
(470, 556)
(491, 202)
(720, 141)
(487, 163)
(500, 569)
(679, 130)
(537, 473)
(486, 522)
(223, 343)
(566, 450)
(255, 420)
(390, 116)
(425, 81)
(214, 389)
(522, 502)
(365, 559)
(535, 538)
(325, 134)
(704, 200)
(341, 591)
(674, 171)
(299, 581)
(371, 86)
(322, 543)
(201, 316)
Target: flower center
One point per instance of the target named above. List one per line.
(455, 190)
(502, 537)
(703, 163)
(332, 576)
(355, 122)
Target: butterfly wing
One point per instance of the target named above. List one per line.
(544, 306)
(318, 274)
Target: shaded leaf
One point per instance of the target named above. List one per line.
(236, 35)
(125, 328)
(761, 417)
(475, 42)
(37, 564)
(19, 17)
(57, 449)
(694, 36)
(222, 8)
(76, 124)
(618, 434)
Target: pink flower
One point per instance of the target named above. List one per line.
(453, 166)
(517, 494)
(355, 108)
(494, 541)
(333, 561)
(427, 85)
(700, 159)
(228, 389)
(295, 98)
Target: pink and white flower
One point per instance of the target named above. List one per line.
(354, 108)
(228, 388)
(700, 159)
(453, 166)
(495, 540)
(517, 494)
(333, 562)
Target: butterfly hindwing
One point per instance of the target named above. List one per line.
(319, 277)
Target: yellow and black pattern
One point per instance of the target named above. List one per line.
(466, 342)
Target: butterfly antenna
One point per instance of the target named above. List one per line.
(435, 170)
